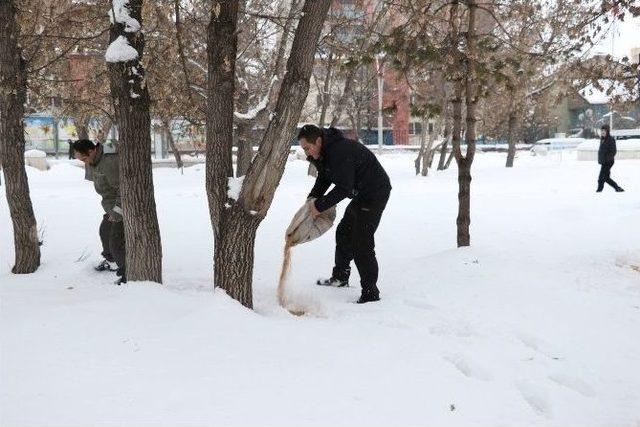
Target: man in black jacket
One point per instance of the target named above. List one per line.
(356, 174)
(606, 155)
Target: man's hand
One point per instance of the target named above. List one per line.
(313, 211)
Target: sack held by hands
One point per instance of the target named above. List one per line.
(304, 227)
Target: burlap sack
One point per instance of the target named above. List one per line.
(304, 228)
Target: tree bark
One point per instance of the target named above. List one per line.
(232, 257)
(427, 154)
(267, 168)
(13, 89)
(443, 154)
(234, 253)
(326, 88)
(418, 161)
(103, 131)
(511, 140)
(235, 221)
(82, 128)
(245, 149)
(344, 98)
(463, 220)
(166, 128)
(131, 106)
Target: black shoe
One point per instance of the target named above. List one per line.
(369, 296)
(599, 190)
(106, 266)
(333, 282)
(120, 281)
(619, 190)
(339, 278)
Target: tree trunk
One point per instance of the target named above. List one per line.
(131, 105)
(234, 253)
(427, 154)
(356, 123)
(443, 154)
(172, 144)
(245, 149)
(464, 175)
(235, 221)
(103, 132)
(82, 128)
(421, 152)
(432, 156)
(448, 162)
(13, 89)
(267, 168)
(446, 123)
(344, 98)
(511, 124)
(326, 88)
(464, 163)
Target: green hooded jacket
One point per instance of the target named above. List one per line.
(106, 180)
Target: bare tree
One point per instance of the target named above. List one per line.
(131, 105)
(471, 99)
(235, 222)
(13, 89)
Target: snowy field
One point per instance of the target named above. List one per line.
(535, 325)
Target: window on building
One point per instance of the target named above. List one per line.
(415, 128)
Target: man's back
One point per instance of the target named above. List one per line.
(105, 176)
(351, 165)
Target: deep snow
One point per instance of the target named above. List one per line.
(535, 325)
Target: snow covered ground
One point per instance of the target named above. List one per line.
(535, 325)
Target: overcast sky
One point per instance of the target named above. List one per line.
(627, 36)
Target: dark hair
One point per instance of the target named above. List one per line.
(83, 146)
(606, 127)
(310, 133)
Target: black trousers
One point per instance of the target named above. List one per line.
(355, 240)
(112, 237)
(605, 176)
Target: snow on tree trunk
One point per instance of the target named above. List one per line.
(13, 88)
(131, 105)
(235, 221)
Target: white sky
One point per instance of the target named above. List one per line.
(627, 36)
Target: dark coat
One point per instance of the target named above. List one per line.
(351, 167)
(607, 151)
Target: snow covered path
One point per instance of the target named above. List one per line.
(535, 325)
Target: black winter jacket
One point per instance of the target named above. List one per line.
(607, 151)
(351, 167)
